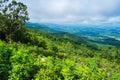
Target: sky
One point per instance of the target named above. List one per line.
(74, 11)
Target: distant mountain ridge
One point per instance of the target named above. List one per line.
(103, 34)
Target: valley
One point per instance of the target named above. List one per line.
(100, 34)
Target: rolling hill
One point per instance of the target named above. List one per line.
(89, 34)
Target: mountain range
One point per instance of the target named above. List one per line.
(90, 34)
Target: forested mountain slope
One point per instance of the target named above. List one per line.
(101, 34)
(30, 54)
(45, 56)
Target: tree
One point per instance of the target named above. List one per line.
(2, 4)
(4, 21)
(17, 13)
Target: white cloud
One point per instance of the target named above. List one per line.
(113, 20)
(73, 11)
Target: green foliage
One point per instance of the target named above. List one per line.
(12, 17)
(16, 11)
(2, 5)
(37, 55)
(20, 61)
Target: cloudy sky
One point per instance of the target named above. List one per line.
(74, 11)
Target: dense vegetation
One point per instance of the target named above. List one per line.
(102, 34)
(28, 54)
